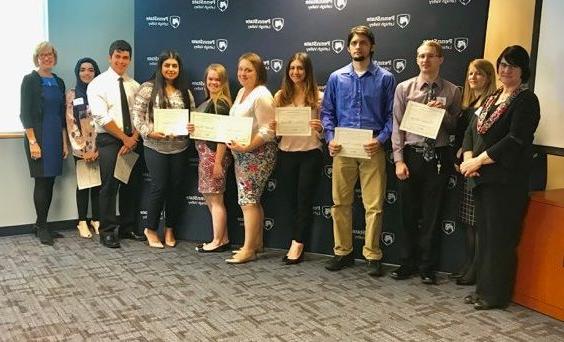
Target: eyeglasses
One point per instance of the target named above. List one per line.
(46, 54)
(423, 56)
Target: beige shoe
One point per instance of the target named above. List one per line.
(83, 230)
(242, 257)
(153, 239)
(170, 240)
(96, 226)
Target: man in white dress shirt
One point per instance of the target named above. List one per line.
(110, 95)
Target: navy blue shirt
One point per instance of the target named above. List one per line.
(359, 102)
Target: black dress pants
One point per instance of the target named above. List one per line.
(167, 172)
(499, 211)
(129, 194)
(421, 200)
(302, 169)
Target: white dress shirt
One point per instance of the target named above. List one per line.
(105, 100)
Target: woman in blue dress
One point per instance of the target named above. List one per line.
(42, 116)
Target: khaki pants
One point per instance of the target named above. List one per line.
(372, 174)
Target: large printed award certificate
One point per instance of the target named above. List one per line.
(422, 120)
(221, 128)
(293, 121)
(352, 141)
(170, 121)
(87, 174)
(124, 166)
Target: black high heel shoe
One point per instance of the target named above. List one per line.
(295, 261)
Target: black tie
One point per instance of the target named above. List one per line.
(126, 118)
(428, 143)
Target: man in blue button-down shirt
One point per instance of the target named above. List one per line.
(359, 95)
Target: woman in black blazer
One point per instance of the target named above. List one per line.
(497, 159)
(43, 118)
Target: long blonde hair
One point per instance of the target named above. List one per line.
(224, 93)
(469, 95)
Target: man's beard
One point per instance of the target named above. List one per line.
(359, 58)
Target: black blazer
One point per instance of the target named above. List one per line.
(508, 141)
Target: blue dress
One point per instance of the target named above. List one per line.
(52, 138)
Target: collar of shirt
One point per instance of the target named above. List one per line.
(115, 75)
(372, 69)
(421, 85)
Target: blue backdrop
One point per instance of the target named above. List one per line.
(219, 31)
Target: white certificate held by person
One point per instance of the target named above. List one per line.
(221, 128)
(124, 166)
(293, 121)
(170, 121)
(87, 174)
(422, 120)
(352, 141)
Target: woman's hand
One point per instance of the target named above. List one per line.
(334, 148)
(470, 167)
(190, 127)
(35, 151)
(157, 135)
(272, 126)
(65, 149)
(316, 125)
(90, 156)
(235, 146)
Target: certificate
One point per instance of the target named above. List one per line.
(293, 121)
(221, 128)
(352, 141)
(170, 121)
(87, 174)
(124, 165)
(422, 120)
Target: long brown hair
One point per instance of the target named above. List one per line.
(288, 89)
(485, 67)
(224, 93)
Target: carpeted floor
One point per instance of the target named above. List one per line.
(79, 290)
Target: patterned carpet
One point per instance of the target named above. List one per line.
(79, 290)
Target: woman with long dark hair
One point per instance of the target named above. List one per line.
(300, 157)
(82, 136)
(165, 155)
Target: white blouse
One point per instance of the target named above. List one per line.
(258, 105)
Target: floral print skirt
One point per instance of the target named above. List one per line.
(252, 170)
(207, 183)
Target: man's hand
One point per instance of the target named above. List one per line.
(372, 147)
(402, 172)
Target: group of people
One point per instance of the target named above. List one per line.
(486, 134)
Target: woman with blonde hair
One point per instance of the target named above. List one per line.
(479, 84)
(214, 158)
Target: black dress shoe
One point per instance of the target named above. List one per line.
(471, 298)
(56, 235)
(338, 262)
(465, 281)
(222, 248)
(482, 304)
(403, 272)
(132, 236)
(295, 261)
(455, 275)
(428, 277)
(44, 236)
(374, 268)
(109, 241)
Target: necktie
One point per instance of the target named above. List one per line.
(126, 118)
(428, 143)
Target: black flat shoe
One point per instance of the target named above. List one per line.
(403, 272)
(222, 248)
(482, 304)
(471, 298)
(295, 261)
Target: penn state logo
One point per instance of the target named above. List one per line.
(340, 4)
(403, 20)
(388, 238)
(266, 64)
(399, 65)
(452, 181)
(276, 65)
(271, 185)
(278, 23)
(449, 227)
(328, 171)
(316, 210)
(221, 44)
(464, 2)
(326, 211)
(337, 45)
(460, 43)
(391, 197)
(222, 5)
(174, 21)
(268, 223)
